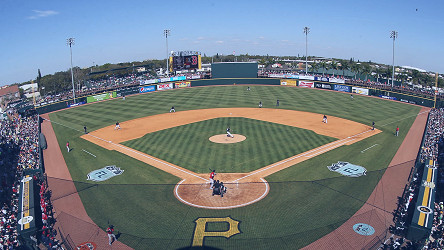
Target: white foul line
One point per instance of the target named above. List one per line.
(368, 148)
(313, 152)
(136, 152)
(88, 152)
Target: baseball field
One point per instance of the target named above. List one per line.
(290, 181)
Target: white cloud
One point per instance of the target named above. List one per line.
(219, 42)
(42, 13)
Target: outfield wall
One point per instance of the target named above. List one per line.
(307, 83)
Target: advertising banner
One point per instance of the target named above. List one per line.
(151, 81)
(306, 84)
(323, 86)
(361, 91)
(322, 79)
(101, 97)
(292, 76)
(306, 77)
(337, 80)
(75, 104)
(388, 97)
(147, 89)
(128, 91)
(276, 75)
(165, 79)
(165, 86)
(342, 88)
(178, 78)
(183, 84)
(288, 82)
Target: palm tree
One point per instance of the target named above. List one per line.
(366, 69)
(323, 65)
(314, 67)
(344, 66)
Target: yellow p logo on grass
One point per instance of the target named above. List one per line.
(200, 233)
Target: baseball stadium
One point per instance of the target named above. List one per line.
(292, 180)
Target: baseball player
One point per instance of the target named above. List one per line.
(324, 119)
(172, 110)
(351, 97)
(373, 125)
(67, 146)
(260, 104)
(84, 128)
(111, 236)
(229, 133)
(248, 88)
(397, 131)
(277, 103)
(212, 174)
(117, 125)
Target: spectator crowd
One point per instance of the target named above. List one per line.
(19, 152)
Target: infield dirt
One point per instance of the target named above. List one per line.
(194, 188)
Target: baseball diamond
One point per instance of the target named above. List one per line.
(280, 189)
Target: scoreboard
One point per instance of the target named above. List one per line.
(185, 61)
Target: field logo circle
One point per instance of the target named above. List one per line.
(425, 210)
(347, 169)
(363, 229)
(104, 174)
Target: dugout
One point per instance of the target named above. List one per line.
(234, 70)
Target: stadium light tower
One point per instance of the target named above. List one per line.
(306, 31)
(393, 35)
(70, 43)
(167, 33)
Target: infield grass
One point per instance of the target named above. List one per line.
(188, 146)
(305, 201)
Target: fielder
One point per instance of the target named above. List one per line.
(172, 110)
(229, 133)
(111, 236)
(117, 126)
(324, 119)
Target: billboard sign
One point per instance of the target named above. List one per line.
(147, 89)
(361, 91)
(323, 86)
(165, 86)
(288, 82)
(306, 77)
(101, 97)
(306, 84)
(342, 88)
(183, 84)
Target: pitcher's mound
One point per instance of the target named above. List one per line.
(223, 138)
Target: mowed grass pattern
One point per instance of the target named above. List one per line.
(188, 146)
(305, 202)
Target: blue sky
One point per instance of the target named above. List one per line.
(33, 33)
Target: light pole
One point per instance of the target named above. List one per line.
(393, 35)
(306, 31)
(167, 33)
(70, 43)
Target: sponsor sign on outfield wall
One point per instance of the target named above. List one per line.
(101, 97)
(306, 84)
(147, 89)
(183, 84)
(342, 88)
(165, 86)
(388, 97)
(361, 91)
(323, 86)
(288, 82)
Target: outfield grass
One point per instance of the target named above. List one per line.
(188, 146)
(305, 201)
